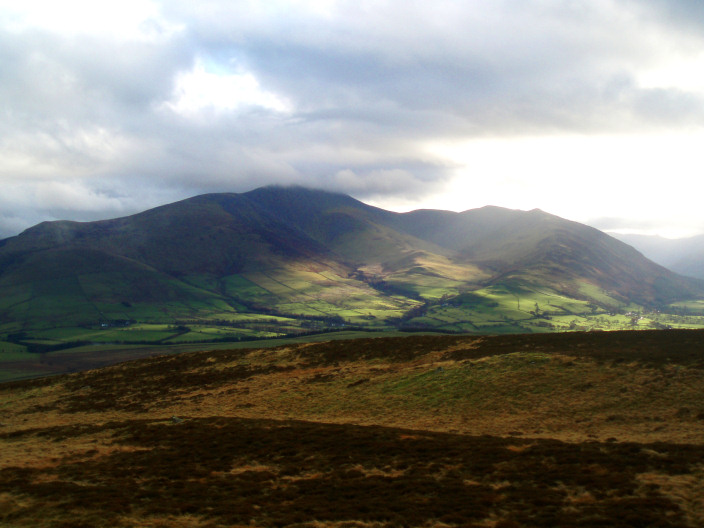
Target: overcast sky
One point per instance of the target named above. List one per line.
(591, 110)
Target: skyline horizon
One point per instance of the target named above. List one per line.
(372, 203)
(591, 111)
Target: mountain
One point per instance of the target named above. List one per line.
(549, 250)
(682, 255)
(281, 259)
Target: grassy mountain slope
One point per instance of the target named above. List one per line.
(581, 429)
(279, 260)
(358, 233)
(209, 257)
(548, 250)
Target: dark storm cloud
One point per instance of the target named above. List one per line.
(90, 128)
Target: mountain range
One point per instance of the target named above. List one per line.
(292, 258)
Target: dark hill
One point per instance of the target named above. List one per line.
(353, 230)
(217, 234)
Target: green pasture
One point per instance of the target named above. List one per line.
(10, 327)
(76, 308)
(304, 286)
(600, 296)
(693, 307)
(136, 312)
(246, 286)
(88, 299)
(12, 351)
(236, 318)
(313, 308)
(48, 342)
(428, 286)
(208, 283)
(105, 285)
(64, 334)
(9, 374)
(140, 332)
(14, 297)
(316, 294)
(518, 307)
(202, 334)
(90, 308)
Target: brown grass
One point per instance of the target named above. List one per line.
(550, 430)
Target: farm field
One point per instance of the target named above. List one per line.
(561, 429)
(304, 304)
(44, 320)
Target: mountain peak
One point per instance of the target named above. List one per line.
(294, 190)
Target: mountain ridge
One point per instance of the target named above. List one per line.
(291, 222)
(297, 255)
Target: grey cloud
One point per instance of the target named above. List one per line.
(683, 15)
(22, 206)
(85, 77)
(542, 69)
(11, 225)
(669, 106)
(369, 87)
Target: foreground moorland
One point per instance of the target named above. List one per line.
(570, 429)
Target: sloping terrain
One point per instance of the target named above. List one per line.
(579, 429)
(208, 258)
(548, 250)
(282, 261)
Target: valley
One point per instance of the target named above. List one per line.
(282, 305)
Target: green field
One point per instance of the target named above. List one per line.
(518, 307)
(273, 303)
(12, 351)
